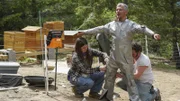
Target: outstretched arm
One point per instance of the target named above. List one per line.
(143, 29)
(100, 29)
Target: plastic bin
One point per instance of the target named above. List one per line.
(9, 67)
(37, 80)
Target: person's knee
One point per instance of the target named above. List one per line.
(101, 75)
(90, 84)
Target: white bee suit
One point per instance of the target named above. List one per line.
(121, 53)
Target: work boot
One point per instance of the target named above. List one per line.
(78, 95)
(105, 99)
(94, 95)
(158, 96)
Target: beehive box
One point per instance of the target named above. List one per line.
(19, 41)
(8, 45)
(8, 39)
(31, 33)
(14, 40)
(9, 35)
(70, 37)
(55, 25)
(40, 38)
(30, 40)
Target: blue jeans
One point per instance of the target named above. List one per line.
(143, 90)
(94, 82)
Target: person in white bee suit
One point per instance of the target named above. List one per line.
(122, 31)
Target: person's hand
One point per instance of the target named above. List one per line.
(80, 33)
(102, 68)
(156, 36)
(119, 75)
(106, 60)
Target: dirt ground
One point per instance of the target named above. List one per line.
(168, 81)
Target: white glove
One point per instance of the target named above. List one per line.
(106, 60)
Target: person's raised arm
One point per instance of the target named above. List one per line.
(143, 29)
(100, 29)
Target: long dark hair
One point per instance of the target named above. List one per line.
(80, 42)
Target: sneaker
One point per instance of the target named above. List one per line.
(103, 94)
(94, 95)
(78, 95)
(158, 96)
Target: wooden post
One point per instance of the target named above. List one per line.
(46, 66)
(178, 48)
(51, 53)
(56, 67)
(146, 45)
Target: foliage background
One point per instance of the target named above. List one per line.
(162, 16)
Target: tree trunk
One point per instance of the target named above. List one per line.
(176, 56)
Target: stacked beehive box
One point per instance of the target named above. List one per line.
(19, 41)
(40, 38)
(55, 25)
(33, 37)
(8, 39)
(30, 37)
(14, 40)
